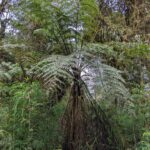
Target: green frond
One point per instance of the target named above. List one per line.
(109, 81)
(8, 46)
(94, 49)
(8, 71)
(54, 71)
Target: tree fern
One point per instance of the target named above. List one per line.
(64, 24)
(57, 69)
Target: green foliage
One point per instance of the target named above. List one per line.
(53, 42)
(56, 70)
(27, 121)
(56, 24)
(8, 71)
(133, 59)
(131, 120)
(5, 55)
(145, 143)
(132, 50)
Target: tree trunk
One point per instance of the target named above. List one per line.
(85, 124)
(74, 117)
(3, 22)
(2, 29)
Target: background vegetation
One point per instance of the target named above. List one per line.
(74, 75)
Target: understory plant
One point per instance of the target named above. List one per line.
(27, 121)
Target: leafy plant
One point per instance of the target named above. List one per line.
(28, 121)
(145, 143)
(57, 71)
(8, 71)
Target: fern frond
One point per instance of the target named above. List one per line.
(107, 81)
(98, 75)
(8, 71)
(97, 50)
(13, 46)
(55, 71)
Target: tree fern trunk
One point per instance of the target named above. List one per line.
(85, 124)
(74, 118)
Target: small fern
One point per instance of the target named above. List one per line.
(8, 71)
